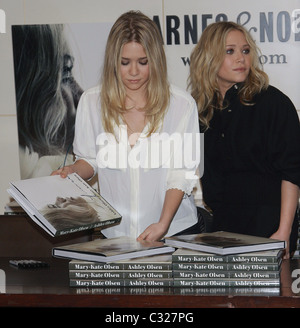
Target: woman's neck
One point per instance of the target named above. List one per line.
(135, 118)
(135, 100)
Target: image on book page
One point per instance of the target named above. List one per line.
(223, 243)
(64, 204)
(113, 249)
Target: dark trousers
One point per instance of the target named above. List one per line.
(204, 223)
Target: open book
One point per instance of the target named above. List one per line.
(224, 243)
(111, 250)
(61, 206)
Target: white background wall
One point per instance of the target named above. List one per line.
(285, 42)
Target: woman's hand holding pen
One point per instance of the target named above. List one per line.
(81, 167)
(64, 171)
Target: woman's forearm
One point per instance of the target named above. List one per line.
(81, 167)
(156, 231)
(289, 203)
(172, 201)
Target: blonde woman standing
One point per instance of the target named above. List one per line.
(251, 137)
(134, 111)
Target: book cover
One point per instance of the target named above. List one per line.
(61, 206)
(121, 283)
(190, 256)
(226, 274)
(226, 283)
(246, 267)
(224, 243)
(13, 208)
(162, 262)
(122, 274)
(111, 250)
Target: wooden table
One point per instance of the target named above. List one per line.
(50, 288)
(20, 238)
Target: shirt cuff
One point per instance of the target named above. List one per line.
(185, 181)
(92, 163)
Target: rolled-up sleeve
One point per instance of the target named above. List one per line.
(186, 154)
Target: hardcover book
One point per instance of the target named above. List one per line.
(162, 262)
(226, 283)
(123, 274)
(224, 243)
(121, 283)
(199, 269)
(111, 250)
(216, 267)
(61, 206)
(182, 274)
(185, 255)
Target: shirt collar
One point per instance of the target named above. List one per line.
(233, 91)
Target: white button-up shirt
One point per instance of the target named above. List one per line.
(134, 180)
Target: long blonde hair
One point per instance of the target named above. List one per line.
(205, 62)
(134, 26)
(45, 120)
(75, 211)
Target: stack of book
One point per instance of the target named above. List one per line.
(64, 206)
(183, 268)
(199, 269)
(224, 259)
(118, 262)
(149, 271)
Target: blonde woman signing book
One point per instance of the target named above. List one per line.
(146, 123)
(251, 137)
